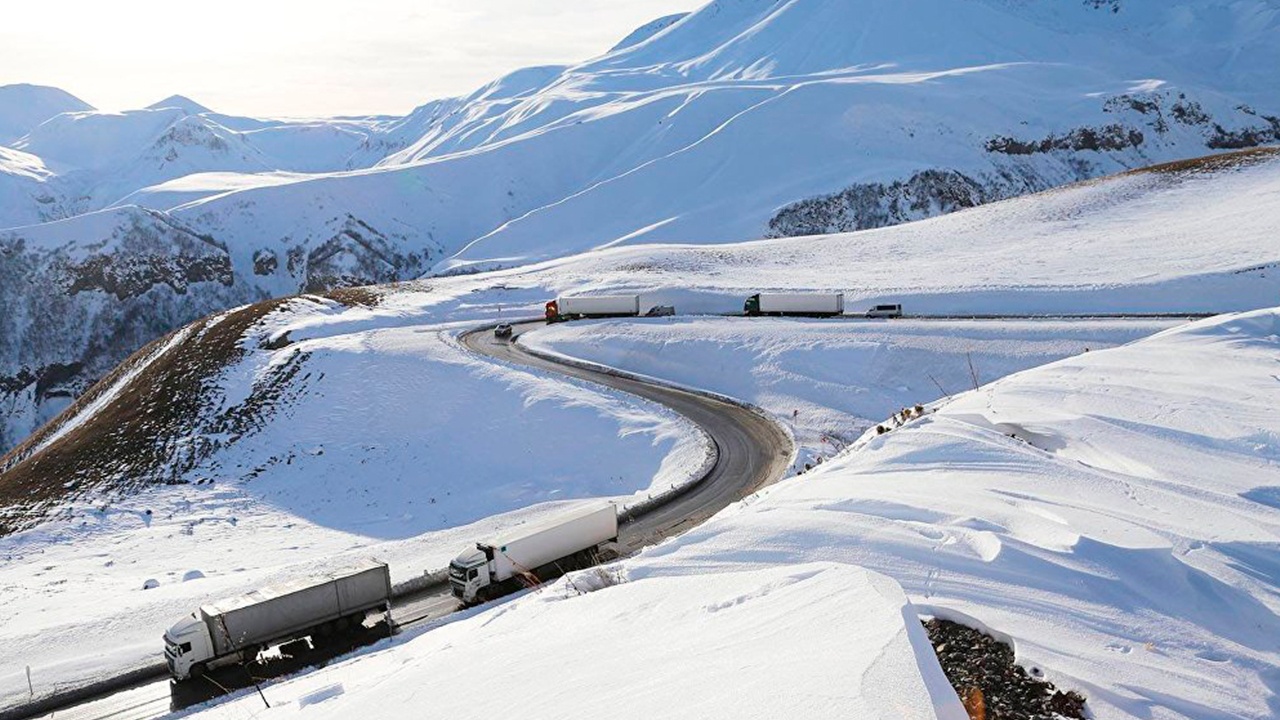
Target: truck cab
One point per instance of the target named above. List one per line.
(469, 575)
(187, 645)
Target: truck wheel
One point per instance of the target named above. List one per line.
(198, 671)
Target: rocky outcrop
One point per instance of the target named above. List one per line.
(1146, 126)
(82, 296)
(872, 205)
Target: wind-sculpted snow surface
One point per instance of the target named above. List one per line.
(1114, 513)
(779, 642)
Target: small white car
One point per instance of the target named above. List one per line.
(502, 331)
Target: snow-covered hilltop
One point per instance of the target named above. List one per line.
(24, 107)
(744, 119)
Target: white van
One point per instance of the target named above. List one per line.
(885, 311)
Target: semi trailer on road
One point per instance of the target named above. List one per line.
(527, 554)
(237, 629)
(797, 304)
(594, 306)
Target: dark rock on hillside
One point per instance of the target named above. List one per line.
(1110, 137)
(990, 682)
(76, 308)
(359, 255)
(873, 205)
(1145, 121)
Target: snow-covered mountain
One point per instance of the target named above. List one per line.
(744, 119)
(23, 107)
(1066, 507)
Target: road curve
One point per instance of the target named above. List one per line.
(752, 452)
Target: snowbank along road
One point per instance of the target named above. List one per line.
(751, 452)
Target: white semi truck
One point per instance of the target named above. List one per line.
(802, 304)
(532, 551)
(237, 629)
(592, 306)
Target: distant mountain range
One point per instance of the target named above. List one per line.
(744, 119)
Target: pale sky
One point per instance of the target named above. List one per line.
(297, 58)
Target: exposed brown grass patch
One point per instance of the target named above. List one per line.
(1213, 163)
(132, 441)
(365, 296)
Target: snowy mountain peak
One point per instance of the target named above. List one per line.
(23, 107)
(186, 104)
(648, 30)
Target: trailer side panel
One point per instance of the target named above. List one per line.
(278, 611)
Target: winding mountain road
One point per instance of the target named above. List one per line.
(751, 452)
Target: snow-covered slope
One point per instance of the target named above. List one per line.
(928, 107)
(391, 442)
(1114, 513)
(367, 385)
(1068, 536)
(84, 293)
(786, 366)
(24, 107)
(27, 187)
(781, 642)
(1030, 255)
(743, 119)
(1113, 516)
(103, 158)
(1066, 509)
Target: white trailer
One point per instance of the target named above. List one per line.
(805, 304)
(593, 306)
(530, 551)
(237, 629)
